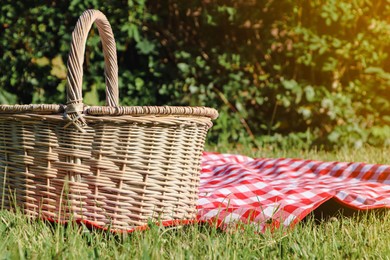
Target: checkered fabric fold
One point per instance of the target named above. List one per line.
(283, 191)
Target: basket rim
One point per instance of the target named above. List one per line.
(113, 111)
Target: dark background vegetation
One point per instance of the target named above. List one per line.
(280, 72)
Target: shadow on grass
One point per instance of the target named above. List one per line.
(333, 209)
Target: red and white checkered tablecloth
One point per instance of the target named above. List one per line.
(283, 191)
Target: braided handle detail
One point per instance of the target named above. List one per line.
(75, 106)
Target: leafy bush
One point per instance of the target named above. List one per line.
(280, 72)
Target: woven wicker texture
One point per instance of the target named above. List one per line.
(115, 166)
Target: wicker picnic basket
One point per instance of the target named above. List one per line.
(111, 165)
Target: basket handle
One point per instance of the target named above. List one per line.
(75, 106)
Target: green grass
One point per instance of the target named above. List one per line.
(364, 235)
(367, 154)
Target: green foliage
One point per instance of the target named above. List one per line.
(280, 72)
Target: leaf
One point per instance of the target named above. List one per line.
(239, 106)
(305, 112)
(334, 136)
(264, 77)
(132, 31)
(41, 62)
(193, 89)
(7, 98)
(139, 83)
(145, 47)
(92, 97)
(386, 119)
(327, 103)
(277, 67)
(183, 67)
(58, 68)
(309, 93)
(379, 71)
(289, 84)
